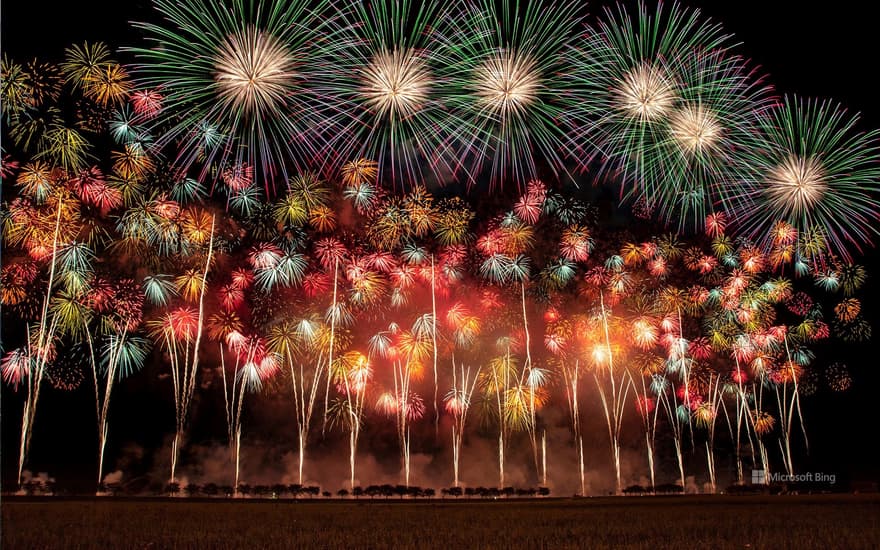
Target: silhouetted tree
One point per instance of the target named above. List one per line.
(342, 493)
(544, 491)
(244, 489)
(278, 490)
(357, 492)
(173, 488)
(227, 490)
(634, 490)
(210, 489)
(192, 489)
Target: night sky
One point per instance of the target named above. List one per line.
(825, 53)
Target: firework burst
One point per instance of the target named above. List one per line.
(816, 172)
(233, 82)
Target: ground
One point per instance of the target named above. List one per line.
(815, 521)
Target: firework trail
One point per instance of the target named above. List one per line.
(458, 402)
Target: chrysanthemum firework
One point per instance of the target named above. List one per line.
(505, 87)
(232, 77)
(380, 87)
(815, 171)
(667, 105)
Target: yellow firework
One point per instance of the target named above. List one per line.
(132, 163)
(190, 284)
(360, 171)
(196, 224)
(704, 414)
(764, 422)
(109, 85)
(323, 219)
(848, 309)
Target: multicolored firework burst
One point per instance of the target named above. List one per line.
(258, 200)
(815, 171)
(233, 85)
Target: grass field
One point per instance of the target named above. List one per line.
(822, 521)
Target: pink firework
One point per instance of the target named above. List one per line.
(146, 103)
(329, 250)
(182, 323)
(316, 283)
(716, 223)
(265, 256)
(231, 297)
(238, 177)
(242, 279)
(14, 367)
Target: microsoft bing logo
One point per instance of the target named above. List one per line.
(761, 477)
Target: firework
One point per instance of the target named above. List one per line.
(382, 89)
(666, 101)
(233, 82)
(815, 172)
(172, 207)
(506, 90)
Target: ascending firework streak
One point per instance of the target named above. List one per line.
(112, 354)
(614, 407)
(458, 401)
(788, 405)
(434, 342)
(572, 375)
(252, 365)
(404, 412)
(648, 412)
(498, 383)
(742, 413)
(333, 315)
(181, 333)
(351, 373)
(705, 415)
(668, 398)
(38, 358)
(305, 389)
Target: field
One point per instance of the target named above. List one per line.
(822, 521)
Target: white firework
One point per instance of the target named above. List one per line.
(396, 83)
(507, 82)
(696, 129)
(645, 93)
(796, 185)
(253, 71)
